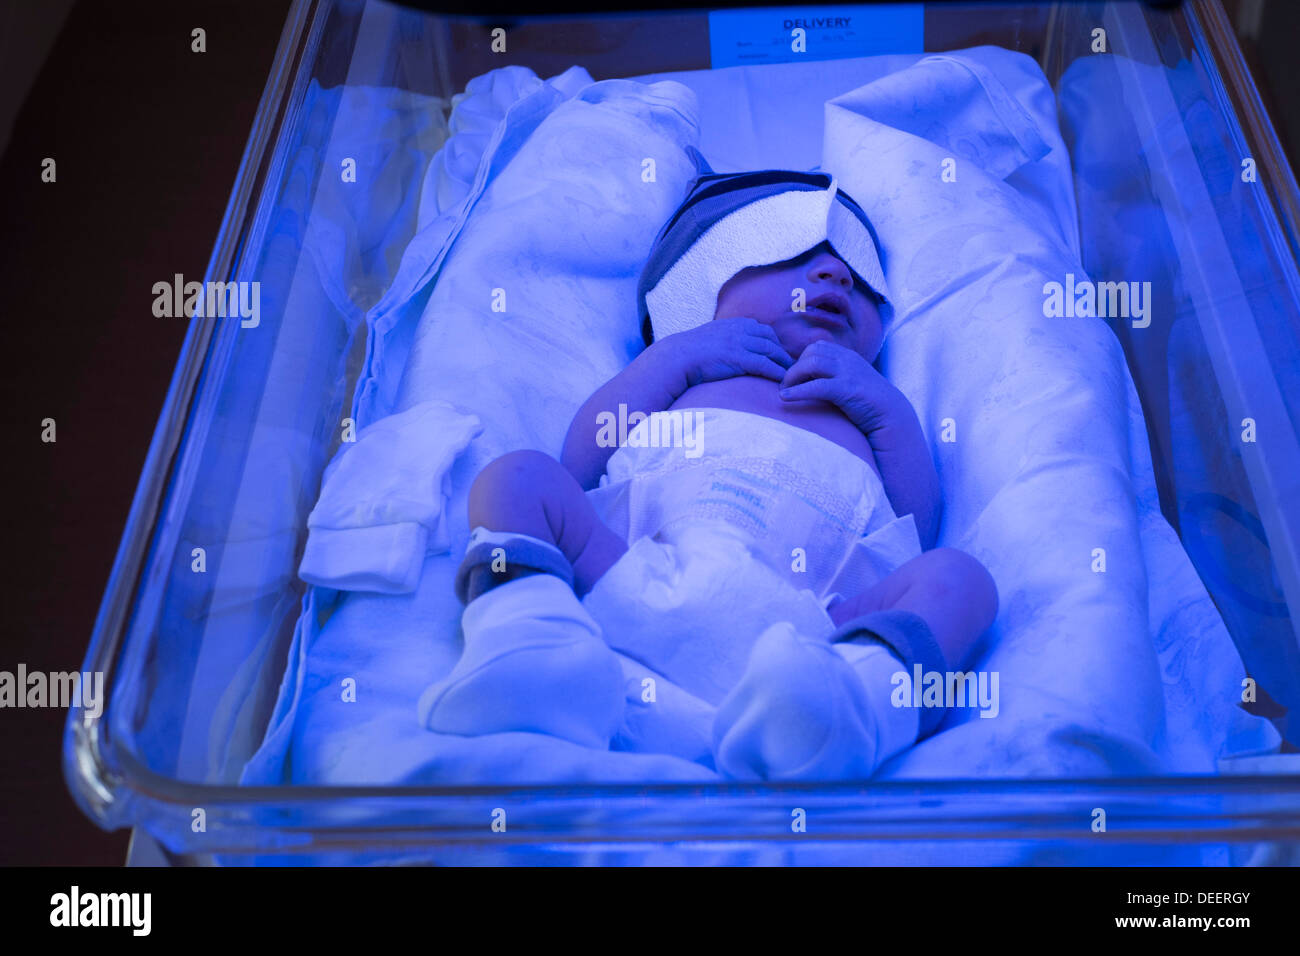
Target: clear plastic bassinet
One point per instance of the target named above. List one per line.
(201, 610)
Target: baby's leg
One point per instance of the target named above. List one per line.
(534, 658)
(530, 493)
(950, 590)
(807, 710)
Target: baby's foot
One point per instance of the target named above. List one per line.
(534, 661)
(801, 711)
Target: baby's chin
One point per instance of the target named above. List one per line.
(796, 336)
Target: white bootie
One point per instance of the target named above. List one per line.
(802, 711)
(534, 661)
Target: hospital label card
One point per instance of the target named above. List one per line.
(769, 35)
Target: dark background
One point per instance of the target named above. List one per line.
(148, 137)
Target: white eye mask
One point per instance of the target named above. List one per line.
(732, 222)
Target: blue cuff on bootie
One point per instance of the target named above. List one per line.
(521, 554)
(910, 638)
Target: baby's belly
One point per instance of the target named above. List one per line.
(761, 396)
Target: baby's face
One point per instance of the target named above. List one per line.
(836, 307)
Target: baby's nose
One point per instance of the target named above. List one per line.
(829, 268)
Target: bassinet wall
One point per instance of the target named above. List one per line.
(195, 666)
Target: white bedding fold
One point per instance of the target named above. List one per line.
(383, 501)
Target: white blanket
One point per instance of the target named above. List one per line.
(1048, 479)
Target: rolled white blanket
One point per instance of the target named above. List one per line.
(383, 501)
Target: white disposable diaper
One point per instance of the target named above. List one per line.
(691, 603)
(754, 522)
(811, 510)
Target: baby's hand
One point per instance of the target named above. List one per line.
(726, 348)
(829, 372)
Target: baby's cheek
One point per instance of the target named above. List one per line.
(870, 338)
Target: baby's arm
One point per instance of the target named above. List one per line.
(907, 470)
(650, 383)
(831, 373)
(723, 348)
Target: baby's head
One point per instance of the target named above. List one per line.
(813, 297)
(787, 248)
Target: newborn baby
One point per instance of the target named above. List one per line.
(768, 590)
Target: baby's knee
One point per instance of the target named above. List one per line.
(516, 474)
(964, 578)
(515, 492)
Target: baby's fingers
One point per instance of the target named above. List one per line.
(772, 349)
(810, 366)
(764, 366)
(820, 389)
(751, 326)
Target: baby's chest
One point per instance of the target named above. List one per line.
(759, 396)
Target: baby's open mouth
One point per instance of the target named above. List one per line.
(829, 305)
